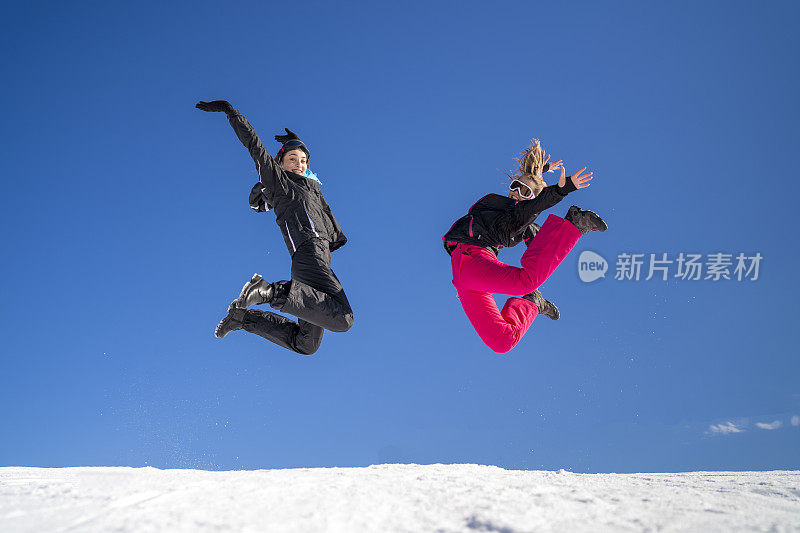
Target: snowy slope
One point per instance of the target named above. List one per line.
(394, 498)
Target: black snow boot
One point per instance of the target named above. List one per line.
(546, 307)
(232, 321)
(585, 221)
(256, 291)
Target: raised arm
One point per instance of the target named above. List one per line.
(518, 217)
(269, 174)
(521, 215)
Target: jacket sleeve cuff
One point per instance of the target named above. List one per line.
(567, 188)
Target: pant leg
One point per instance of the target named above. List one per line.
(301, 336)
(552, 243)
(478, 269)
(500, 331)
(315, 294)
(477, 272)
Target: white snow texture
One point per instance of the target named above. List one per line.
(394, 498)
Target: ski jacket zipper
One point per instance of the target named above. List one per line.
(313, 228)
(290, 236)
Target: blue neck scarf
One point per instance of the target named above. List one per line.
(310, 175)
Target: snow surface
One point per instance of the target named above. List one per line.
(394, 498)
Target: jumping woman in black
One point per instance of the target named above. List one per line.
(314, 294)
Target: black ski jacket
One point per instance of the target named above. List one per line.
(300, 209)
(496, 221)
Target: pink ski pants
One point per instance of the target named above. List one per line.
(477, 273)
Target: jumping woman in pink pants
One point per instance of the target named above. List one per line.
(495, 221)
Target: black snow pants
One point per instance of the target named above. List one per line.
(314, 295)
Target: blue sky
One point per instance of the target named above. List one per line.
(128, 232)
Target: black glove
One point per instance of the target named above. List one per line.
(216, 105)
(290, 136)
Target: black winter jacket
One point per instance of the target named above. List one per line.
(496, 221)
(300, 209)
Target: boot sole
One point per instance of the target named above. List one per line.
(218, 328)
(598, 223)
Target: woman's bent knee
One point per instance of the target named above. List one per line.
(343, 323)
(529, 283)
(307, 350)
(501, 348)
(501, 345)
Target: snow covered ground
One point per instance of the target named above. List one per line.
(394, 498)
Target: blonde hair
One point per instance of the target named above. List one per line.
(530, 164)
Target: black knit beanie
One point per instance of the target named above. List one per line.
(290, 142)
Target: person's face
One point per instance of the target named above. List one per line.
(295, 161)
(527, 180)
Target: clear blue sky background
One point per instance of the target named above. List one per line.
(127, 232)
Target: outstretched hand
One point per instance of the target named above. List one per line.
(216, 105)
(554, 165)
(579, 180)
